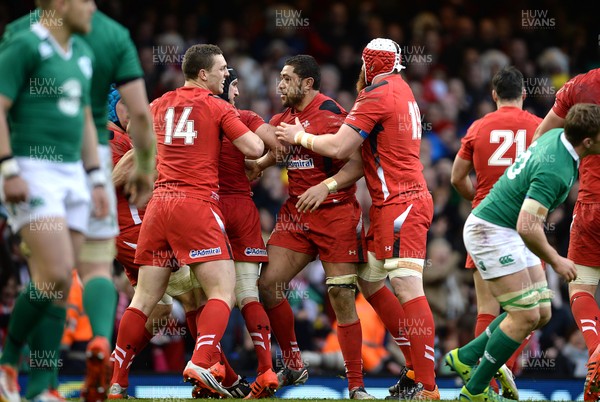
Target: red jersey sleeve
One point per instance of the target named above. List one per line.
(275, 120)
(230, 122)
(564, 99)
(119, 146)
(252, 120)
(369, 109)
(467, 143)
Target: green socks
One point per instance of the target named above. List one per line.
(45, 351)
(30, 307)
(473, 351)
(498, 350)
(100, 303)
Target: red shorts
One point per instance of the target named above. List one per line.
(243, 228)
(334, 231)
(584, 244)
(182, 230)
(126, 256)
(399, 232)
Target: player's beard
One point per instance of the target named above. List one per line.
(361, 83)
(293, 97)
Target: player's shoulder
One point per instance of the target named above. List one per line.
(326, 104)
(278, 118)
(103, 24)
(20, 24)
(376, 90)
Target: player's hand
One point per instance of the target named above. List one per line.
(312, 198)
(99, 202)
(139, 187)
(287, 132)
(253, 171)
(565, 268)
(15, 190)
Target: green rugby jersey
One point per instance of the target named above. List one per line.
(545, 172)
(116, 60)
(50, 89)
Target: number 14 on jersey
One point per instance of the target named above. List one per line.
(184, 128)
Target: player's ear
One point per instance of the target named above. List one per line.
(524, 94)
(494, 96)
(203, 74)
(310, 81)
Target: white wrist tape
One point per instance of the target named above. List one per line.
(9, 168)
(97, 178)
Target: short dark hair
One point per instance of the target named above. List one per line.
(582, 121)
(306, 66)
(199, 57)
(508, 83)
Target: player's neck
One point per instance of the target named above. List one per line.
(196, 84)
(306, 100)
(509, 103)
(61, 34)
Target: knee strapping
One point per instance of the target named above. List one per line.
(524, 299)
(246, 281)
(546, 294)
(98, 251)
(342, 281)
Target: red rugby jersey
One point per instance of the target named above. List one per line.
(493, 143)
(583, 88)
(232, 174)
(188, 123)
(306, 168)
(386, 115)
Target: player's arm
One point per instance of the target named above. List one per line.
(345, 177)
(250, 144)
(552, 120)
(122, 169)
(91, 163)
(15, 188)
(266, 133)
(338, 146)
(460, 178)
(530, 226)
(141, 177)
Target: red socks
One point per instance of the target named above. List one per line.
(190, 318)
(586, 312)
(259, 328)
(131, 339)
(483, 321)
(282, 324)
(389, 309)
(211, 324)
(350, 339)
(421, 332)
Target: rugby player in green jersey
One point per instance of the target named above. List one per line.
(505, 236)
(116, 62)
(47, 143)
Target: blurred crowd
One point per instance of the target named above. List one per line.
(451, 49)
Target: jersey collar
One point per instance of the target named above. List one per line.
(569, 147)
(43, 33)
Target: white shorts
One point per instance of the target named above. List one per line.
(108, 227)
(56, 189)
(497, 251)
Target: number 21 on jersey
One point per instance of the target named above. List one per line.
(184, 128)
(506, 138)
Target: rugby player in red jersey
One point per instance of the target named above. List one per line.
(386, 117)
(183, 220)
(333, 232)
(584, 244)
(130, 218)
(491, 145)
(242, 223)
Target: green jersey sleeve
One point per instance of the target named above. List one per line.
(546, 188)
(17, 60)
(128, 67)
